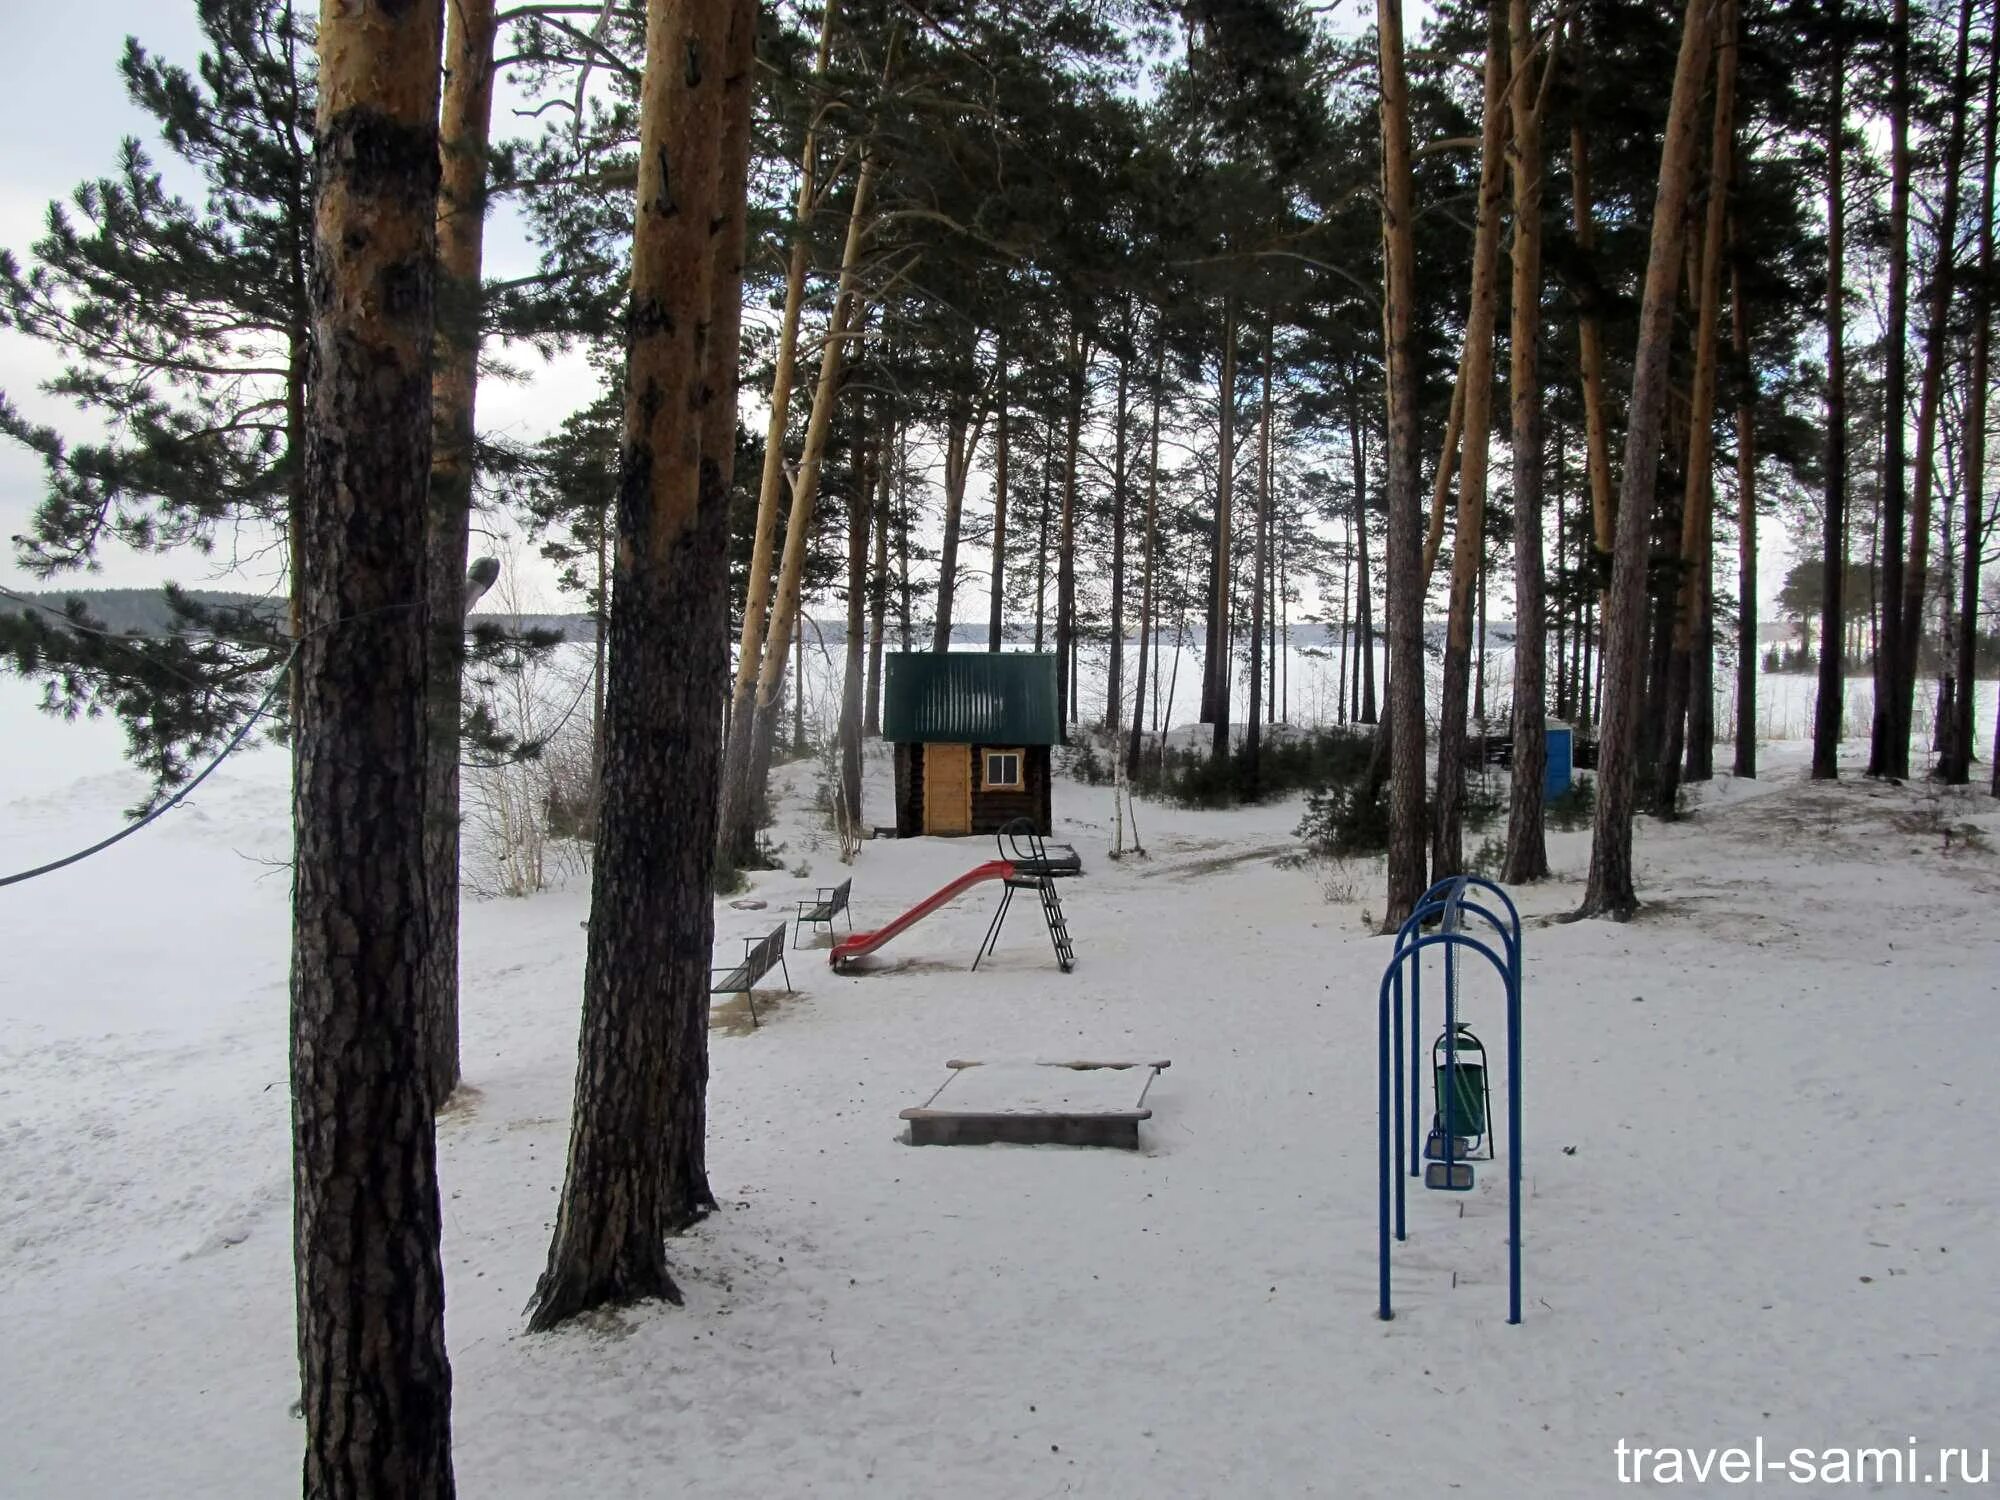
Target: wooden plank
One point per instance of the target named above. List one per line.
(945, 1128)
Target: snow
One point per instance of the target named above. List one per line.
(1776, 1220)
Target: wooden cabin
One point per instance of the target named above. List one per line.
(972, 731)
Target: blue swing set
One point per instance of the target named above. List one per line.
(1463, 1122)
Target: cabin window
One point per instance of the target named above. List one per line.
(1002, 771)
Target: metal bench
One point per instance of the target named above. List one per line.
(760, 957)
(827, 903)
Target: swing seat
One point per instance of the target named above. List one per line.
(1450, 1177)
(1468, 1099)
(1464, 1148)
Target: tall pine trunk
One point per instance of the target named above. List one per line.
(1590, 361)
(997, 612)
(375, 1381)
(770, 489)
(744, 774)
(1219, 676)
(1889, 743)
(878, 587)
(1746, 527)
(1114, 688)
(1468, 544)
(461, 235)
(1910, 632)
(1405, 729)
(1828, 712)
(1150, 563)
(1527, 852)
(1958, 765)
(1698, 493)
(1363, 681)
(1078, 369)
(1253, 726)
(854, 666)
(652, 914)
(1611, 891)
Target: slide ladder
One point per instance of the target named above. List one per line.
(1052, 913)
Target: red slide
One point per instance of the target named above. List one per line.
(867, 942)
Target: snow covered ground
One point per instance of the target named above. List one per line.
(1756, 1123)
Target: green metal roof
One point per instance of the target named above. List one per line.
(970, 697)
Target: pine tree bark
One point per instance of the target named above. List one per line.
(1218, 669)
(1405, 729)
(1910, 632)
(996, 623)
(858, 518)
(1149, 562)
(1698, 495)
(745, 769)
(1829, 711)
(1468, 546)
(1114, 687)
(1745, 763)
(375, 1380)
(1611, 890)
(1889, 742)
(1253, 726)
(1958, 761)
(652, 915)
(878, 596)
(1363, 680)
(688, 1196)
(1077, 365)
(1527, 851)
(961, 441)
(461, 233)
(1590, 361)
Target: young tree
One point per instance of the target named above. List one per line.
(652, 915)
(1610, 891)
(376, 1382)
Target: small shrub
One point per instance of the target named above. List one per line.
(1489, 859)
(1575, 808)
(1346, 818)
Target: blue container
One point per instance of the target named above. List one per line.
(1557, 775)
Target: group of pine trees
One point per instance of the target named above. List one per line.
(1175, 324)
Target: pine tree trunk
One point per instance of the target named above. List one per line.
(1218, 676)
(960, 440)
(1889, 742)
(1590, 358)
(1078, 363)
(784, 375)
(1115, 676)
(1363, 681)
(1527, 853)
(1468, 545)
(375, 1381)
(1958, 767)
(652, 915)
(1405, 729)
(857, 633)
(461, 223)
(1150, 562)
(1916, 572)
(1828, 712)
(996, 623)
(1611, 891)
(687, 1194)
(1698, 496)
(1446, 471)
(878, 595)
(1746, 528)
(743, 777)
(1253, 726)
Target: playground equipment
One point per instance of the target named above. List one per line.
(1022, 866)
(1462, 1123)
